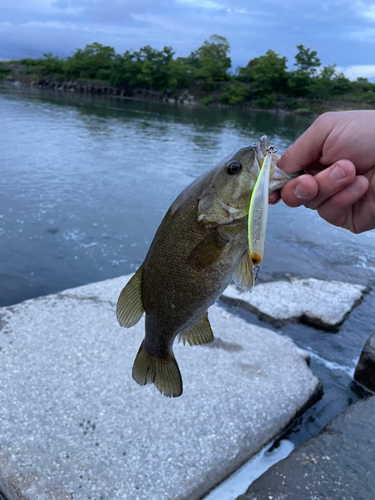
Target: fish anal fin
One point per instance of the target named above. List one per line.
(208, 251)
(244, 278)
(130, 308)
(163, 372)
(198, 334)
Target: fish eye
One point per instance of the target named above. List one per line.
(233, 167)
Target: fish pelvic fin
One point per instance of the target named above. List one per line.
(244, 278)
(130, 308)
(198, 334)
(163, 372)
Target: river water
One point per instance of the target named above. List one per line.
(85, 181)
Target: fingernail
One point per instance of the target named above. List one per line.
(300, 191)
(337, 174)
(355, 186)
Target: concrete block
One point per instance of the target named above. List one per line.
(324, 304)
(74, 424)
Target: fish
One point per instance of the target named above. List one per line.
(200, 246)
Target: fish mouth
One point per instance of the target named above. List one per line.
(277, 177)
(260, 149)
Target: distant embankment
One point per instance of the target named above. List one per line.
(17, 74)
(104, 88)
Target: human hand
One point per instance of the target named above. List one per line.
(338, 155)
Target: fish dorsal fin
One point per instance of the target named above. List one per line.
(244, 278)
(208, 251)
(198, 334)
(130, 308)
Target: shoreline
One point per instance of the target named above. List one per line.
(142, 95)
(308, 108)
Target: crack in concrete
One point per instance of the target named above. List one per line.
(85, 298)
(226, 346)
(3, 324)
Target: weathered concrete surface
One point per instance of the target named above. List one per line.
(320, 303)
(338, 464)
(74, 425)
(365, 370)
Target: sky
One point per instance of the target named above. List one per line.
(342, 32)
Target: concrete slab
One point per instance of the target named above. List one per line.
(338, 464)
(74, 424)
(324, 304)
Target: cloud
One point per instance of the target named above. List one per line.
(342, 31)
(48, 24)
(354, 72)
(204, 4)
(363, 35)
(366, 11)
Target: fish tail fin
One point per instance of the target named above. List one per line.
(163, 372)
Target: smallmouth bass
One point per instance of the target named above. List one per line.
(199, 247)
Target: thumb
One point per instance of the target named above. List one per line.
(307, 149)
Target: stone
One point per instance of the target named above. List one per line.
(74, 424)
(337, 464)
(323, 304)
(365, 370)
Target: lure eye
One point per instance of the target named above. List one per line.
(233, 168)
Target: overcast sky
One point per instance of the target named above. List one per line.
(343, 32)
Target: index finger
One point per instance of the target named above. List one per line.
(307, 149)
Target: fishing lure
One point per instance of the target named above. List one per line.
(258, 211)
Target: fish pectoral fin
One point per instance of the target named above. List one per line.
(130, 308)
(208, 251)
(244, 278)
(198, 334)
(163, 372)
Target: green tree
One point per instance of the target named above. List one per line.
(125, 70)
(154, 70)
(94, 62)
(52, 65)
(322, 84)
(362, 85)
(341, 84)
(180, 73)
(307, 61)
(3, 72)
(210, 62)
(235, 94)
(151, 69)
(363, 90)
(300, 80)
(328, 83)
(266, 73)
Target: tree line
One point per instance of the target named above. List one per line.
(263, 82)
